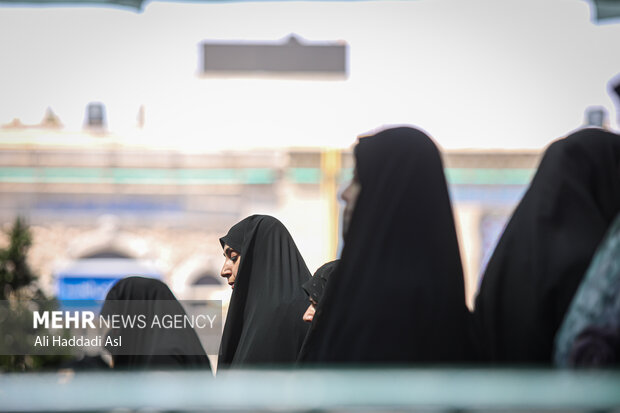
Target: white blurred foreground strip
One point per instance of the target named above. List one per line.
(377, 389)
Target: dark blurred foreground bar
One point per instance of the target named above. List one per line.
(315, 390)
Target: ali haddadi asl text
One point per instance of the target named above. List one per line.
(76, 341)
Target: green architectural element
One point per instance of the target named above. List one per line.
(489, 176)
(26, 175)
(256, 176)
(140, 176)
(61, 175)
(304, 175)
(244, 176)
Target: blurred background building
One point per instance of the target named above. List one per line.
(101, 209)
(154, 141)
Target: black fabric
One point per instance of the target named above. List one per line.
(236, 235)
(151, 347)
(315, 286)
(264, 322)
(547, 246)
(616, 88)
(397, 295)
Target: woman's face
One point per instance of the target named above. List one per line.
(231, 265)
(309, 314)
(349, 196)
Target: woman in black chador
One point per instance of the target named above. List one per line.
(266, 271)
(146, 345)
(315, 287)
(547, 247)
(397, 295)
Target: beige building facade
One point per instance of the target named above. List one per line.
(99, 207)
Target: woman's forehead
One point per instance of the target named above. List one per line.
(229, 249)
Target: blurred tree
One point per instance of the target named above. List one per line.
(15, 273)
(20, 294)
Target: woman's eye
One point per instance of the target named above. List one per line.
(234, 258)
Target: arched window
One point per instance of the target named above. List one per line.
(209, 279)
(106, 254)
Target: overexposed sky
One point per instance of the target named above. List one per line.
(472, 73)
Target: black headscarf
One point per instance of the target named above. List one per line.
(315, 286)
(151, 347)
(397, 295)
(547, 246)
(264, 323)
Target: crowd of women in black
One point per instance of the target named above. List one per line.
(396, 295)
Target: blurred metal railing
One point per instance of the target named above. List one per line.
(429, 389)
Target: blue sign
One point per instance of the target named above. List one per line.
(90, 280)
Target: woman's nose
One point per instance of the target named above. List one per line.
(225, 271)
(309, 314)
